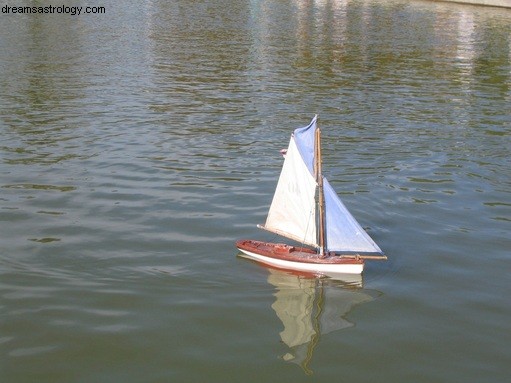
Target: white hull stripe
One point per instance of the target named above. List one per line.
(311, 267)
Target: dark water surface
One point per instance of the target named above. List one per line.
(136, 146)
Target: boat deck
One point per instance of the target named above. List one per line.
(293, 253)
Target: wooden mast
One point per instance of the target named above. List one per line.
(321, 198)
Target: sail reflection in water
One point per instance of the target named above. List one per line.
(311, 307)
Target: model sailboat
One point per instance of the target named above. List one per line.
(305, 208)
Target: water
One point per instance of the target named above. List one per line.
(138, 145)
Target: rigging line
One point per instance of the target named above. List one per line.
(311, 213)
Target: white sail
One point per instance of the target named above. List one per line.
(343, 232)
(305, 141)
(293, 209)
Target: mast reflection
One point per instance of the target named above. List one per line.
(310, 307)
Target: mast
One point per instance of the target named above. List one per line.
(321, 197)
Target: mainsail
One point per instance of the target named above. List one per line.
(293, 209)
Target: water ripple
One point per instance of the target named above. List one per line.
(137, 146)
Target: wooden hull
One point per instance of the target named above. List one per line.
(299, 258)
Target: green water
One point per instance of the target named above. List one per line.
(138, 145)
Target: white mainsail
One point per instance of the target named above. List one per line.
(293, 209)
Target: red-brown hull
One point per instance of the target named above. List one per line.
(298, 258)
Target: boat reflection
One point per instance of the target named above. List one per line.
(310, 307)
